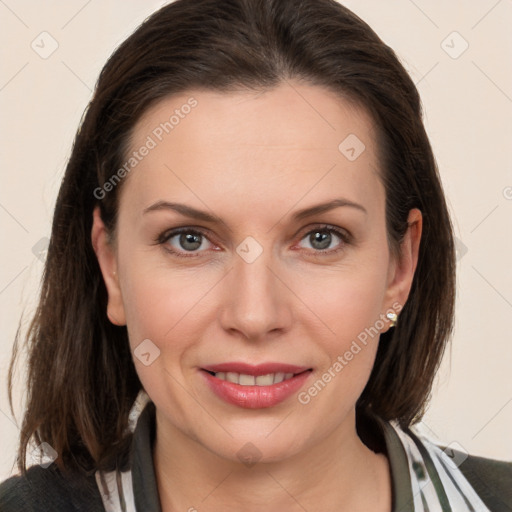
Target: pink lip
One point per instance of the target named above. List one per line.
(255, 397)
(255, 370)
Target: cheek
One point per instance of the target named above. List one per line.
(169, 309)
(165, 305)
(350, 310)
(349, 305)
(346, 302)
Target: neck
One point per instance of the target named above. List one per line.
(339, 473)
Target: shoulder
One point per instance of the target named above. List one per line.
(455, 477)
(43, 489)
(491, 479)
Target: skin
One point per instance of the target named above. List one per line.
(254, 159)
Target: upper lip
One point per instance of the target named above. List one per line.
(255, 370)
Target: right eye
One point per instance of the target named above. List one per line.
(181, 241)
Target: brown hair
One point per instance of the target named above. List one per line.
(81, 378)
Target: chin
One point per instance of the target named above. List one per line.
(250, 450)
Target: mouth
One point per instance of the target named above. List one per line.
(244, 379)
(255, 387)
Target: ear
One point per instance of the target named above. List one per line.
(401, 269)
(106, 255)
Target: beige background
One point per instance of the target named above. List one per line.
(468, 105)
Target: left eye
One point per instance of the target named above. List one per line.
(320, 239)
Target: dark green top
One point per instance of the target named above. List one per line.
(44, 490)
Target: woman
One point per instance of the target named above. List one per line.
(251, 242)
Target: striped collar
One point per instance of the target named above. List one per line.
(424, 477)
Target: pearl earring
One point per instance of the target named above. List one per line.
(392, 317)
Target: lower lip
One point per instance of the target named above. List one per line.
(255, 397)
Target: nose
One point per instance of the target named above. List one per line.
(257, 303)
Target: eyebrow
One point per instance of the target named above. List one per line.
(189, 211)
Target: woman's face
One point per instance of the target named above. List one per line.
(252, 279)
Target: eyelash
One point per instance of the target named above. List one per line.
(345, 238)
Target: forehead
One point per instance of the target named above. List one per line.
(254, 145)
(313, 117)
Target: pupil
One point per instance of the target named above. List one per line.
(324, 239)
(190, 239)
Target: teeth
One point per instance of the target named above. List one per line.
(265, 380)
(249, 380)
(231, 377)
(278, 377)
